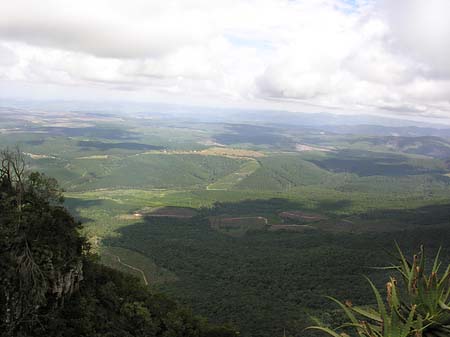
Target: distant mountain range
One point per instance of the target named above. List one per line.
(363, 125)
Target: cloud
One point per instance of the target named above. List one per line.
(388, 56)
(421, 30)
(7, 57)
(103, 28)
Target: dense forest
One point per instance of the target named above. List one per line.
(50, 284)
(282, 275)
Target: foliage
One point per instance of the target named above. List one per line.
(264, 281)
(365, 163)
(420, 307)
(429, 293)
(110, 303)
(40, 248)
(49, 284)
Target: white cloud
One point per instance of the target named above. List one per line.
(420, 29)
(103, 28)
(7, 57)
(376, 55)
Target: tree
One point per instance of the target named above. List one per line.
(40, 245)
(51, 286)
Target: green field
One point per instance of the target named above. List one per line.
(223, 245)
(234, 178)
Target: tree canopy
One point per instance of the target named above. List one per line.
(50, 285)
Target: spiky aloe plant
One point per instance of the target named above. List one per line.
(418, 309)
(428, 292)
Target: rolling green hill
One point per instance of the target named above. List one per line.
(140, 170)
(279, 216)
(282, 172)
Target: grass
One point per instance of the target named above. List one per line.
(132, 262)
(231, 180)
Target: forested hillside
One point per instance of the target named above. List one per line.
(214, 168)
(50, 284)
(250, 224)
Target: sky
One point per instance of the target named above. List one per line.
(387, 57)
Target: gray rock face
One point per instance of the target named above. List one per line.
(64, 284)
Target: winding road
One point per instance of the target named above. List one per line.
(130, 266)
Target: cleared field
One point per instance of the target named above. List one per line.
(237, 226)
(134, 216)
(99, 156)
(38, 156)
(305, 148)
(294, 228)
(299, 215)
(228, 152)
(234, 178)
(170, 212)
(233, 152)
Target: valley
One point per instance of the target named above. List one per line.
(250, 223)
